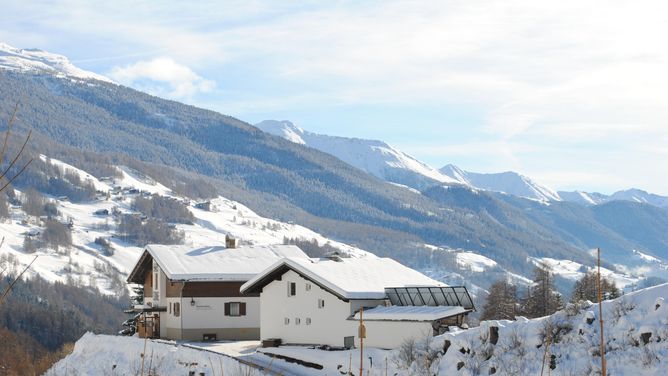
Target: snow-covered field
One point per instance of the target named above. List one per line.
(574, 271)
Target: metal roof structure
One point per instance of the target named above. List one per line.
(430, 296)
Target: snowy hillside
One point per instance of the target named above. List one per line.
(375, 157)
(565, 343)
(508, 182)
(87, 263)
(636, 328)
(33, 60)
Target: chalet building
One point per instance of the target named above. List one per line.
(309, 301)
(193, 293)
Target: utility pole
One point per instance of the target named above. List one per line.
(361, 334)
(600, 313)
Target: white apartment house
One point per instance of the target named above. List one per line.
(308, 301)
(192, 293)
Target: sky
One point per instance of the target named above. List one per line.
(573, 94)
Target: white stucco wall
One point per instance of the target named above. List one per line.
(391, 334)
(328, 325)
(210, 313)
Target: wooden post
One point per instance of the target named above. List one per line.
(362, 335)
(600, 313)
(548, 339)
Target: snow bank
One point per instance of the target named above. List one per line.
(106, 355)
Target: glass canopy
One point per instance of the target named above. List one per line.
(430, 296)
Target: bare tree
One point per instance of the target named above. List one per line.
(4, 175)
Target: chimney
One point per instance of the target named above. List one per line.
(230, 241)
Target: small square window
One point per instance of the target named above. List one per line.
(321, 303)
(308, 287)
(308, 321)
(286, 321)
(235, 309)
(298, 321)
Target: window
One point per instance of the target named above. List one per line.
(177, 309)
(292, 289)
(297, 321)
(286, 321)
(308, 321)
(308, 287)
(235, 309)
(170, 307)
(321, 303)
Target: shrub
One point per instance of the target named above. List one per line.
(163, 208)
(56, 235)
(106, 246)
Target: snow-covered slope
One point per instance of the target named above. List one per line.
(375, 157)
(565, 343)
(33, 60)
(638, 195)
(573, 346)
(87, 264)
(633, 194)
(583, 198)
(508, 182)
(117, 355)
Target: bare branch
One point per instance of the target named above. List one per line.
(15, 176)
(9, 288)
(10, 124)
(16, 158)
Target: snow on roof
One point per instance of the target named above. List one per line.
(410, 313)
(217, 263)
(349, 278)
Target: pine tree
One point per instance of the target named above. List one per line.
(585, 289)
(543, 297)
(501, 303)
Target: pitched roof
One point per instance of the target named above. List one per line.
(215, 263)
(348, 278)
(410, 313)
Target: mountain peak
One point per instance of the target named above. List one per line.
(373, 156)
(39, 61)
(508, 182)
(282, 128)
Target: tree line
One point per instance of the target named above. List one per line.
(541, 298)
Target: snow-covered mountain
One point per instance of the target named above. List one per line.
(373, 156)
(508, 182)
(34, 60)
(633, 194)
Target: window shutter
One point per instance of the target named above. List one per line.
(227, 309)
(242, 309)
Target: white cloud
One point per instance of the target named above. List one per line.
(570, 75)
(162, 76)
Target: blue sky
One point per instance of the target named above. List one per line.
(570, 93)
